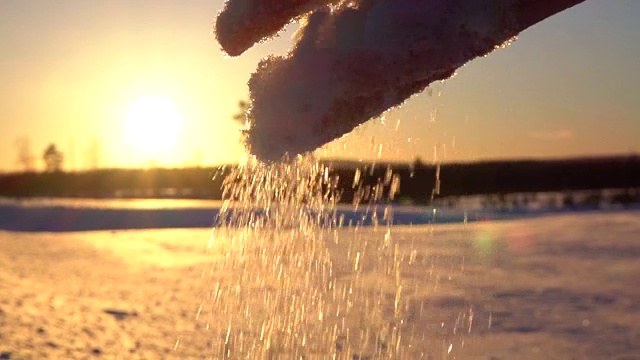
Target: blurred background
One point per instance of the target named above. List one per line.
(139, 84)
(519, 178)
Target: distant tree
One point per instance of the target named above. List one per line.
(52, 158)
(241, 115)
(24, 156)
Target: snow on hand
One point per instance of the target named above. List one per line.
(353, 60)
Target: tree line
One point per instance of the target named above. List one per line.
(52, 157)
(417, 182)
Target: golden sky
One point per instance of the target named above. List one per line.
(72, 70)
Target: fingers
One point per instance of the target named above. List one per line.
(242, 23)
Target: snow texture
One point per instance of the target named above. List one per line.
(352, 62)
(561, 287)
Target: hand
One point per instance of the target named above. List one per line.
(352, 63)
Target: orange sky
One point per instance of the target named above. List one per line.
(72, 69)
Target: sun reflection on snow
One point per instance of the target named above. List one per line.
(485, 242)
(492, 240)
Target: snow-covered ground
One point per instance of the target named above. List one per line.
(558, 285)
(56, 215)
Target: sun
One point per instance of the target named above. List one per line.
(152, 124)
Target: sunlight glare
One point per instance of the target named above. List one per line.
(152, 124)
